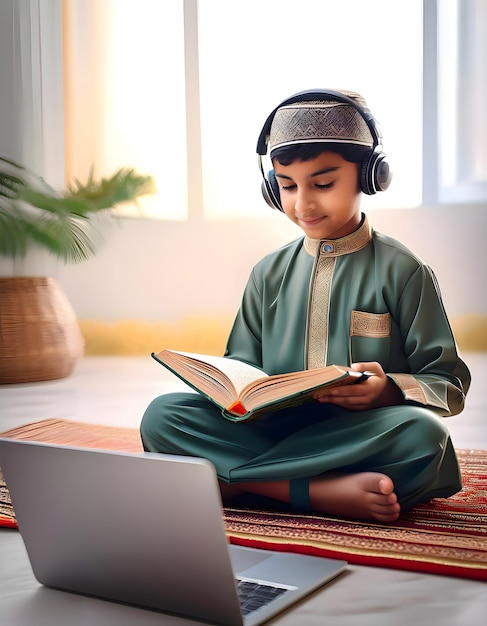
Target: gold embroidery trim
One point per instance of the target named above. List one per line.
(338, 247)
(325, 253)
(374, 325)
(318, 312)
(410, 387)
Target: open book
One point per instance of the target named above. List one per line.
(244, 392)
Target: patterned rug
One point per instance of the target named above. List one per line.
(447, 537)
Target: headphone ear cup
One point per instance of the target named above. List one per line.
(375, 174)
(270, 191)
(382, 173)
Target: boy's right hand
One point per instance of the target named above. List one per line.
(376, 391)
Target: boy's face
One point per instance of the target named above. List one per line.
(321, 196)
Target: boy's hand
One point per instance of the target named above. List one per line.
(378, 390)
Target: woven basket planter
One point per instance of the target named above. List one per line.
(39, 334)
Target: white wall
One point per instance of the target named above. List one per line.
(157, 270)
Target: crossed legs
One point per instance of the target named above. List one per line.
(366, 464)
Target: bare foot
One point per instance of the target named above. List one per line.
(367, 496)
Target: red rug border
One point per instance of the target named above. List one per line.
(423, 567)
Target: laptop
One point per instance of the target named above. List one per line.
(147, 530)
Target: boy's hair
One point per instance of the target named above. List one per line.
(307, 151)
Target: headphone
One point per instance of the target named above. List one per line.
(375, 173)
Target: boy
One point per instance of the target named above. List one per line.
(341, 294)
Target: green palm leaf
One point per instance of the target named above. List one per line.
(32, 211)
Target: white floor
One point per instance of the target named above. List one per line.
(116, 390)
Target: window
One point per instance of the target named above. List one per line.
(461, 68)
(264, 52)
(125, 95)
(180, 89)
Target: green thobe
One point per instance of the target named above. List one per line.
(364, 297)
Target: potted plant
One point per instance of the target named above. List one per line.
(39, 335)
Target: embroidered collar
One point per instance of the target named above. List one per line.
(344, 245)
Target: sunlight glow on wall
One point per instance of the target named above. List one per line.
(126, 95)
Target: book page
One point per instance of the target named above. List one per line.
(241, 374)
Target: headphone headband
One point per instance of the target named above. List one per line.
(318, 94)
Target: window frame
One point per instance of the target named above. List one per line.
(444, 113)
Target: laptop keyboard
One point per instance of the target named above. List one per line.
(254, 595)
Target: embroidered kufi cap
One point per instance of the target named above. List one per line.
(327, 121)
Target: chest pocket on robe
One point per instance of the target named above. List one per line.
(370, 337)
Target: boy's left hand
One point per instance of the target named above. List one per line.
(376, 391)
